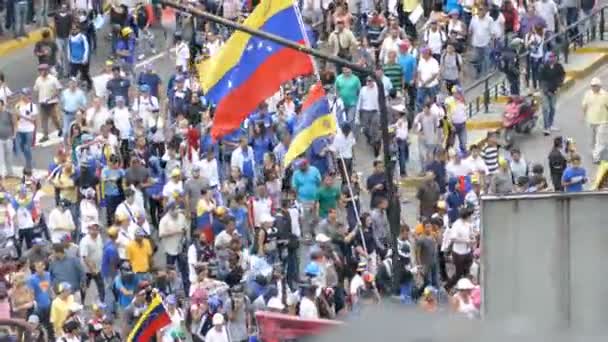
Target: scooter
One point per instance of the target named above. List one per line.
(519, 117)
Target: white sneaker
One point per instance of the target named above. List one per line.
(555, 129)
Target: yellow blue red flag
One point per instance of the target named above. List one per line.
(316, 121)
(247, 70)
(152, 320)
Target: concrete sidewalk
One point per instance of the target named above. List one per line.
(10, 45)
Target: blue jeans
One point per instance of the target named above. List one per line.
(20, 18)
(109, 298)
(549, 100)
(44, 13)
(422, 94)
(23, 144)
(404, 156)
(68, 118)
(461, 132)
(62, 56)
(482, 60)
(431, 275)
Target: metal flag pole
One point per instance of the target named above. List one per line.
(394, 209)
(342, 162)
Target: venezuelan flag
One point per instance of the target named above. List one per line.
(248, 70)
(204, 220)
(316, 121)
(153, 319)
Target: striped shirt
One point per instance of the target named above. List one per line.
(490, 157)
(394, 73)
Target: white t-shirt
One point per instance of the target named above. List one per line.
(343, 145)
(100, 82)
(477, 164)
(498, 26)
(217, 336)
(5, 93)
(122, 121)
(459, 170)
(143, 107)
(88, 214)
(308, 309)
(355, 284)
(428, 68)
(547, 10)
(97, 118)
(182, 55)
(461, 230)
(435, 40)
(480, 29)
(209, 170)
(29, 111)
(172, 187)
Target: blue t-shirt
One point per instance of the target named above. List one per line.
(578, 175)
(128, 45)
(306, 183)
(110, 179)
(41, 285)
(152, 80)
(408, 66)
(109, 260)
(261, 146)
(124, 300)
(240, 219)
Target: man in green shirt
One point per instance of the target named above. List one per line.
(347, 88)
(328, 195)
(392, 70)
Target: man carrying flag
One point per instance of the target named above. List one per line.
(244, 73)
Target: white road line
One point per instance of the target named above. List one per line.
(153, 58)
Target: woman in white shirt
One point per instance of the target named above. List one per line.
(218, 333)
(343, 144)
(435, 39)
(27, 113)
(89, 213)
(401, 135)
(534, 43)
(461, 239)
(5, 91)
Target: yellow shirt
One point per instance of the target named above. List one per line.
(60, 309)
(597, 107)
(410, 5)
(139, 255)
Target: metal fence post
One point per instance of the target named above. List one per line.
(566, 46)
(486, 95)
(602, 24)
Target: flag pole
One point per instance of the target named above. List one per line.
(342, 162)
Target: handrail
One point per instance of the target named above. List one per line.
(565, 33)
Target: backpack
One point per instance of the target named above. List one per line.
(141, 17)
(457, 60)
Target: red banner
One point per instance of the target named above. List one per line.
(272, 325)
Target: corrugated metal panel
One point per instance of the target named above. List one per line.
(542, 257)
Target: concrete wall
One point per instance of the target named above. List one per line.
(544, 260)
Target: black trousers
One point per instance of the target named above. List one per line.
(98, 282)
(84, 73)
(462, 264)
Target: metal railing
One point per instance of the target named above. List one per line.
(569, 38)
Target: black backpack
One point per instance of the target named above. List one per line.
(141, 17)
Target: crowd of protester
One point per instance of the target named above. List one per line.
(146, 203)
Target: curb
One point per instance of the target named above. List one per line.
(13, 45)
